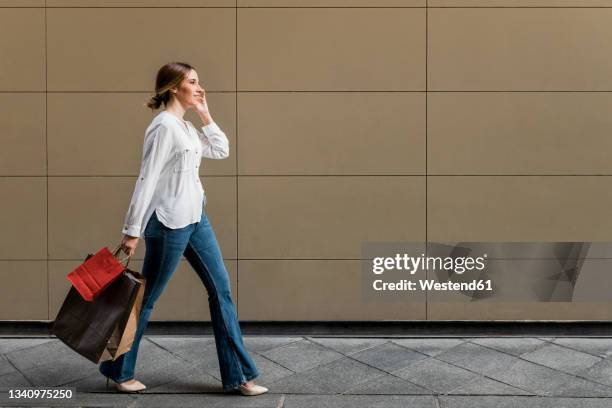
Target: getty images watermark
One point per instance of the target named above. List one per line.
(411, 264)
(474, 271)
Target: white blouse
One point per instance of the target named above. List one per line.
(169, 182)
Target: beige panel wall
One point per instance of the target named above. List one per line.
(115, 60)
(348, 121)
(339, 55)
(518, 131)
(22, 66)
(507, 49)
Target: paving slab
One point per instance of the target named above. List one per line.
(5, 366)
(562, 358)
(208, 401)
(522, 402)
(359, 401)
(388, 357)
(511, 345)
(532, 377)
(348, 346)
(600, 372)
(301, 355)
(435, 375)
(269, 370)
(13, 344)
(300, 383)
(477, 358)
(597, 347)
(183, 371)
(78, 400)
(487, 386)
(13, 380)
(430, 346)
(343, 374)
(265, 343)
(388, 384)
(578, 387)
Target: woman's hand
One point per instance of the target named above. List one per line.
(129, 244)
(202, 106)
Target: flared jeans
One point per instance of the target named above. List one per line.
(198, 243)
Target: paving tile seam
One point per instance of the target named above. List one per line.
(134, 402)
(348, 392)
(581, 351)
(550, 368)
(340, 358)
(288, 344)
(425, 338)
(544, 344)
(79, 379)
(173, 354)
(27, 347)
(552, 343)
(191, 364)
(478, 374)
(395, 375)
(291, 342)
(19, 371)
(543, 397)
(163, 384)
(150, 392)
(426, 357)
(379, 369)
(274, 362)
(280, 347)
(314, 378)
(545, 366)
(281, 402)
(355, 352)
(565, 383)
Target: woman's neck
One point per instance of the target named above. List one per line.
(176, 109)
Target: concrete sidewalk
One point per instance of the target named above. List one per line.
(331, 372)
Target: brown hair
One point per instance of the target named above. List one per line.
(168, 76)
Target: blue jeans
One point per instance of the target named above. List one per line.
(198, 243)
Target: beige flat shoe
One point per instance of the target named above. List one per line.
(253, 390)
(136, 386)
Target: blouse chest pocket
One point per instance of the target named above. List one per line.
(182, 160)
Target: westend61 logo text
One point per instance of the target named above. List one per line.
(450, 264)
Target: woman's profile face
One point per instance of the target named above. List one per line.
(189, 90)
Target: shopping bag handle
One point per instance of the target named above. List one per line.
(116, 253)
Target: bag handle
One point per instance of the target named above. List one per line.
(116, 253)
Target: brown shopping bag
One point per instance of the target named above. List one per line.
(121, 341)
(97, 329)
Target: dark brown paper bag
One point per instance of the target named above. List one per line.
(88, 327)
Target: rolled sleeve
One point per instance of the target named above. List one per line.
(215, 144)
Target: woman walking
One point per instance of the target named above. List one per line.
(167, 208)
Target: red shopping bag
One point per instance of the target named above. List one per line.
(96, 273)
